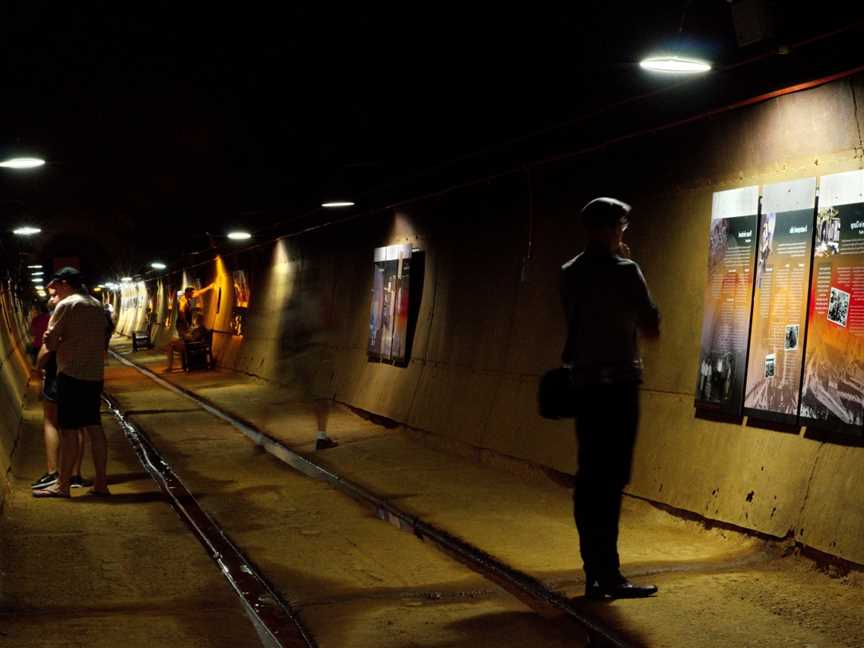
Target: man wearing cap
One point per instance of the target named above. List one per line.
(607, 303)
(76, 332)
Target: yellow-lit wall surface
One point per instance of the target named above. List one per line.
(14, 373)
(489, 320)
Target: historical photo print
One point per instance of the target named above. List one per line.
(838, 307)
(791, 341)
(827, 232)
(770, 362)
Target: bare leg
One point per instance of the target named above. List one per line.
(99, 446)
(79, 457)
(51, 433)
(322, 414)
(68, 452)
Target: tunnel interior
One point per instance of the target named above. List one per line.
(373, 369)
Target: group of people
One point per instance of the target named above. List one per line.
(69, 355)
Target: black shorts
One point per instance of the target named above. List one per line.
(78, 402)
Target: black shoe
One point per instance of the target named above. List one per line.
(325, 443)
(46, 480)
(622, 588)
(77, 481)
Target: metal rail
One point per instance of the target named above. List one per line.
(514, 580)
(277, 625)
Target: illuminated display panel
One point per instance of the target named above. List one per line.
(833, 388)
(783, 255)
(727, 300)
(388, 319)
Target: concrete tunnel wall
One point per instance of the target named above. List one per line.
(489, 321)
(14, 373)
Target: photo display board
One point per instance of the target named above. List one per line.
(240, 308)
(783, 253)
(833, 388)
(388, 319)
(728, 299)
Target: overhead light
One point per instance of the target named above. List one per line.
(125, 279)
(157, 265)
(35, 267)
(674, 65)
(239, 236)
(26, 231)
(97, 289)
(37, 274)
(337, 203)
(22, 163)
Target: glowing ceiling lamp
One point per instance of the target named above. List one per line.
(158, 265)
(35, 267)
(26, 231)
(239, 236)
(337, 203)
(675, 65)
(22, 163)
(37, 274)
(125, 279)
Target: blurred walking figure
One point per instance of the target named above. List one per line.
(76, 332)
(607, 302)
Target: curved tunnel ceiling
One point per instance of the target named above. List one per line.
(162, 126)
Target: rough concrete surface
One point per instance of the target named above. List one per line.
(718, 586)
(123, 571)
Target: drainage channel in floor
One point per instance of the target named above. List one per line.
(523, 586)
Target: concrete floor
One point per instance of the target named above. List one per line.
(89, 571)
(360, 582)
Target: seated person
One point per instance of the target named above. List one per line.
(194, 333)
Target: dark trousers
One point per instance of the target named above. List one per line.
(607, 417)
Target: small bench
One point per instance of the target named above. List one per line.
(198, 355)
(141, 340)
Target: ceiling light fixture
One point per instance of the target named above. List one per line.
(674, 65)
(125, 279)
(158, 265)
(337, 203)
(26, 231)
(22, 163)
(34, 267)
(239, 236)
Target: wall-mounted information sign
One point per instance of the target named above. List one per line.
(833, 388)
(727, 302)
(783, 255)
(388, 321)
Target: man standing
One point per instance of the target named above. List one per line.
(77, 333)
(606, 302)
